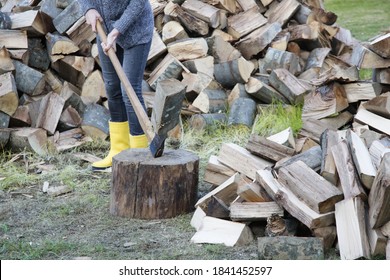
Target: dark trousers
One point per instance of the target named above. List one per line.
(133, 61)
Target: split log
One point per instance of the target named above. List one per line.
(31, 21)
(225, 194)
(268, 149)
(316, 192)
(53, 81)
(329, 138)
(360, 91)
(256, 41)
(4, 134)
(221, 50)
(288, 85)
(204, 11)
(239, 25)
(373, 120)
(157, 48)
(238, 91)
(204, 121)
(216, 173)
(74, 69)
(6, 64)
(313, 129)
(381, 76)
(228, 74)
(69, 139)
(361, 158)
(252, 192)
(38, 57)
(67, 17)
(80, 31)
(69, 119)
(4, 120)
(377, 241)
(186, 49)
(21, 117)
(275, 59)
(9, 99)
(211, 101)
(351, 229)
(379, 105)
(93, 88)
(20, 54)
(28, 80)
(172, 31)
(364, 58)
(328, 236)
(242, 112)
(50, 112)
(303, 144)
(349, 179)
(381, 45)
(197, 218)
(59, 45)
(49, 7)
(379, 197)
(338, 121)
(95, 121)
(284, 11)
(71, 96)
(378, 149)
(190, 22)
(30, 139)
(165, 187)
(311, 158)
(263, 92)
(169, 67)
(249, 4)
(316, 58)
(241, 160)
(254, 211)
(284, 137)
(325, 101)
(201, 65)
(218, 231)
(195, 84)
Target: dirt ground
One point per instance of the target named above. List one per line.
(36, 225)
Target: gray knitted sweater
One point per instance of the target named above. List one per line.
(133, 19)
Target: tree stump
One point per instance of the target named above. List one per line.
(144, 187)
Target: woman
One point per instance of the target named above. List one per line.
(129, 25)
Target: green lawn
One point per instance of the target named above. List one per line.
(364, 18)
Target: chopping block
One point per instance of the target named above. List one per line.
(145, 187)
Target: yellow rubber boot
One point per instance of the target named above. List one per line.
(138, 141)
(119, 141)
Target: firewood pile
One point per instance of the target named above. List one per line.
(233, 56)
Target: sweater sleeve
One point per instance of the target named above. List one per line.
(130, 15)
(86, 5)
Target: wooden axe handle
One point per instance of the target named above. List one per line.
(138, 108)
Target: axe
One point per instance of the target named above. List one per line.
(165, 117)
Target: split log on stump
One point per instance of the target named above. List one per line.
(30, 139)
(242, 112)
(9, 99)
(228, 74)
(28, 80)
(379, 197)
(351, 229)
(153, 188)
(290, 248)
